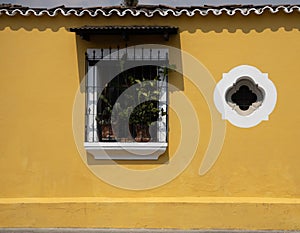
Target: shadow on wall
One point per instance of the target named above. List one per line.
(207, 24)
(246, 24)
(163, 159)
(60, 24)
(114, 41)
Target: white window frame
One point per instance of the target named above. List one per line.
(122, 150)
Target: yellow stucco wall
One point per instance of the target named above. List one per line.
(44, 183)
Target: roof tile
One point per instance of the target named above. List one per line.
(147, 10)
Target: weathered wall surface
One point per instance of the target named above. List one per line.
(44, 183)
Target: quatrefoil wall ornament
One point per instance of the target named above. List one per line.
(245, 96)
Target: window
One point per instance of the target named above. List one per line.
(245, 96)
(126, 103)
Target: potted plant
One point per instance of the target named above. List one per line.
(147, 111)
(105, 132)
(121, 127)
(142, 117)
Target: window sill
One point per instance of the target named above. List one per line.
(126, 150)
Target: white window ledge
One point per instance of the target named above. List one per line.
(126, 150)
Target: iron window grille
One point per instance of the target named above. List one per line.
(110, 74)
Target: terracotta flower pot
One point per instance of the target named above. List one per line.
(142, 133)
(106, 132)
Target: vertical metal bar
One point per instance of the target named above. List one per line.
(157, 86)
(118, 48)
(102, 53)
(167, 99)
(86, 96)
(93, 110)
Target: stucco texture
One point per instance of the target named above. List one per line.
(254, 184)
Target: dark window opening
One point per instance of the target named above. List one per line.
(244, 97)
(133, 116)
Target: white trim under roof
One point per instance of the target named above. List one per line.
(149, 11)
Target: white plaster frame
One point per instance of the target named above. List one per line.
(262, 112)
(126, 150)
